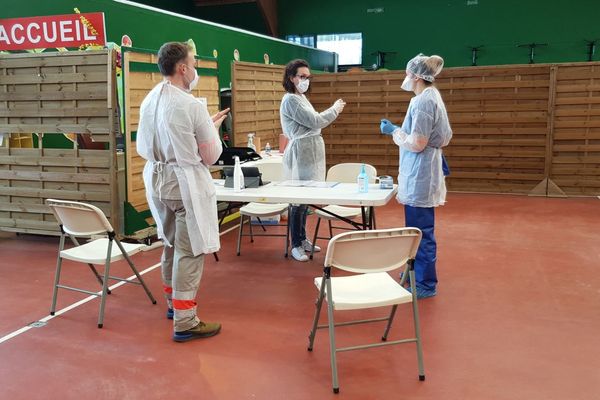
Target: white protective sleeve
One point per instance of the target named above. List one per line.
(207, 135)
(301, 111)
(420, 131)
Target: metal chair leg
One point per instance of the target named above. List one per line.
(57, 275)
(250, 227)
(330, 229)
(91, 266)
(389, 324)
(239, 243)
(261, 224)
(332, 348)
(135, 271)
(314, 242)
(417, 326)
(105, 284)
(318, 305)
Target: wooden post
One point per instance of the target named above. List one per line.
(547, 187)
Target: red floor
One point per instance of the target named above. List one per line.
(517, 316)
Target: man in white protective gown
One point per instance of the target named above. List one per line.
(180, 140)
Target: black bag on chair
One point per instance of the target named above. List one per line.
(243, 153)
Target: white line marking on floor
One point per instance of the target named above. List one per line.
(72, 306)
(89, 298)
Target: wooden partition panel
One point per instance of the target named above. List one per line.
(48, 94)
(256, 95)
(499, 117)
(529, 129)
(140, 75)
(576, 136)
(354, 136)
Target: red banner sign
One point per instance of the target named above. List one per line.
(72, 30)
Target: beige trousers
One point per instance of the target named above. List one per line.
(181, 270)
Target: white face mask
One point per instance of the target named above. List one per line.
(302, 86)
(408, 84)
(194, 81)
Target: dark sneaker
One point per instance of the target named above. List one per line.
(202, 330)
(170, 313)
(423, 293)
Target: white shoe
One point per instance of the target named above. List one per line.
(299, 254)
(308, 246)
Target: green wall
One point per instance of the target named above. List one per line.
(448, 27)
(150, 29)
(244, 15)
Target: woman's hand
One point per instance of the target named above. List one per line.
(338, 106)
(387, 128)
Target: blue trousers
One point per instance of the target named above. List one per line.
(424, 219)
(297, 221)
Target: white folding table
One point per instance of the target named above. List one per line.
(342, 194)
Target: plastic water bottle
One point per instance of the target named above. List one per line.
(363, 180)
(238, 176)
(251, 141)
(268, 149)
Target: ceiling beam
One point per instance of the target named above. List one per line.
(268, 9)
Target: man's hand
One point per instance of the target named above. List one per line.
(219, 117)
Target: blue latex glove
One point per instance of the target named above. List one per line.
(386, 127)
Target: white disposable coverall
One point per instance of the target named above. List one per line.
(304, 157)
(177, 137)
(424, 132)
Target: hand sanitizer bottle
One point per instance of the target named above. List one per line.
(251, 141)
(363, 180)
(238, 176)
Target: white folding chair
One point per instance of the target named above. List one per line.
(85, 220)
(369, 255)
(343, 173)
(269, 172)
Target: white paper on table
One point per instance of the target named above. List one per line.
(317, 184)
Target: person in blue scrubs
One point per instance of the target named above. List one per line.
(421, 178)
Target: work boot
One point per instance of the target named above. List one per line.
(202, 330)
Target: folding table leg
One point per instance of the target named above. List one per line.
(314, 242)
(287, 236)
